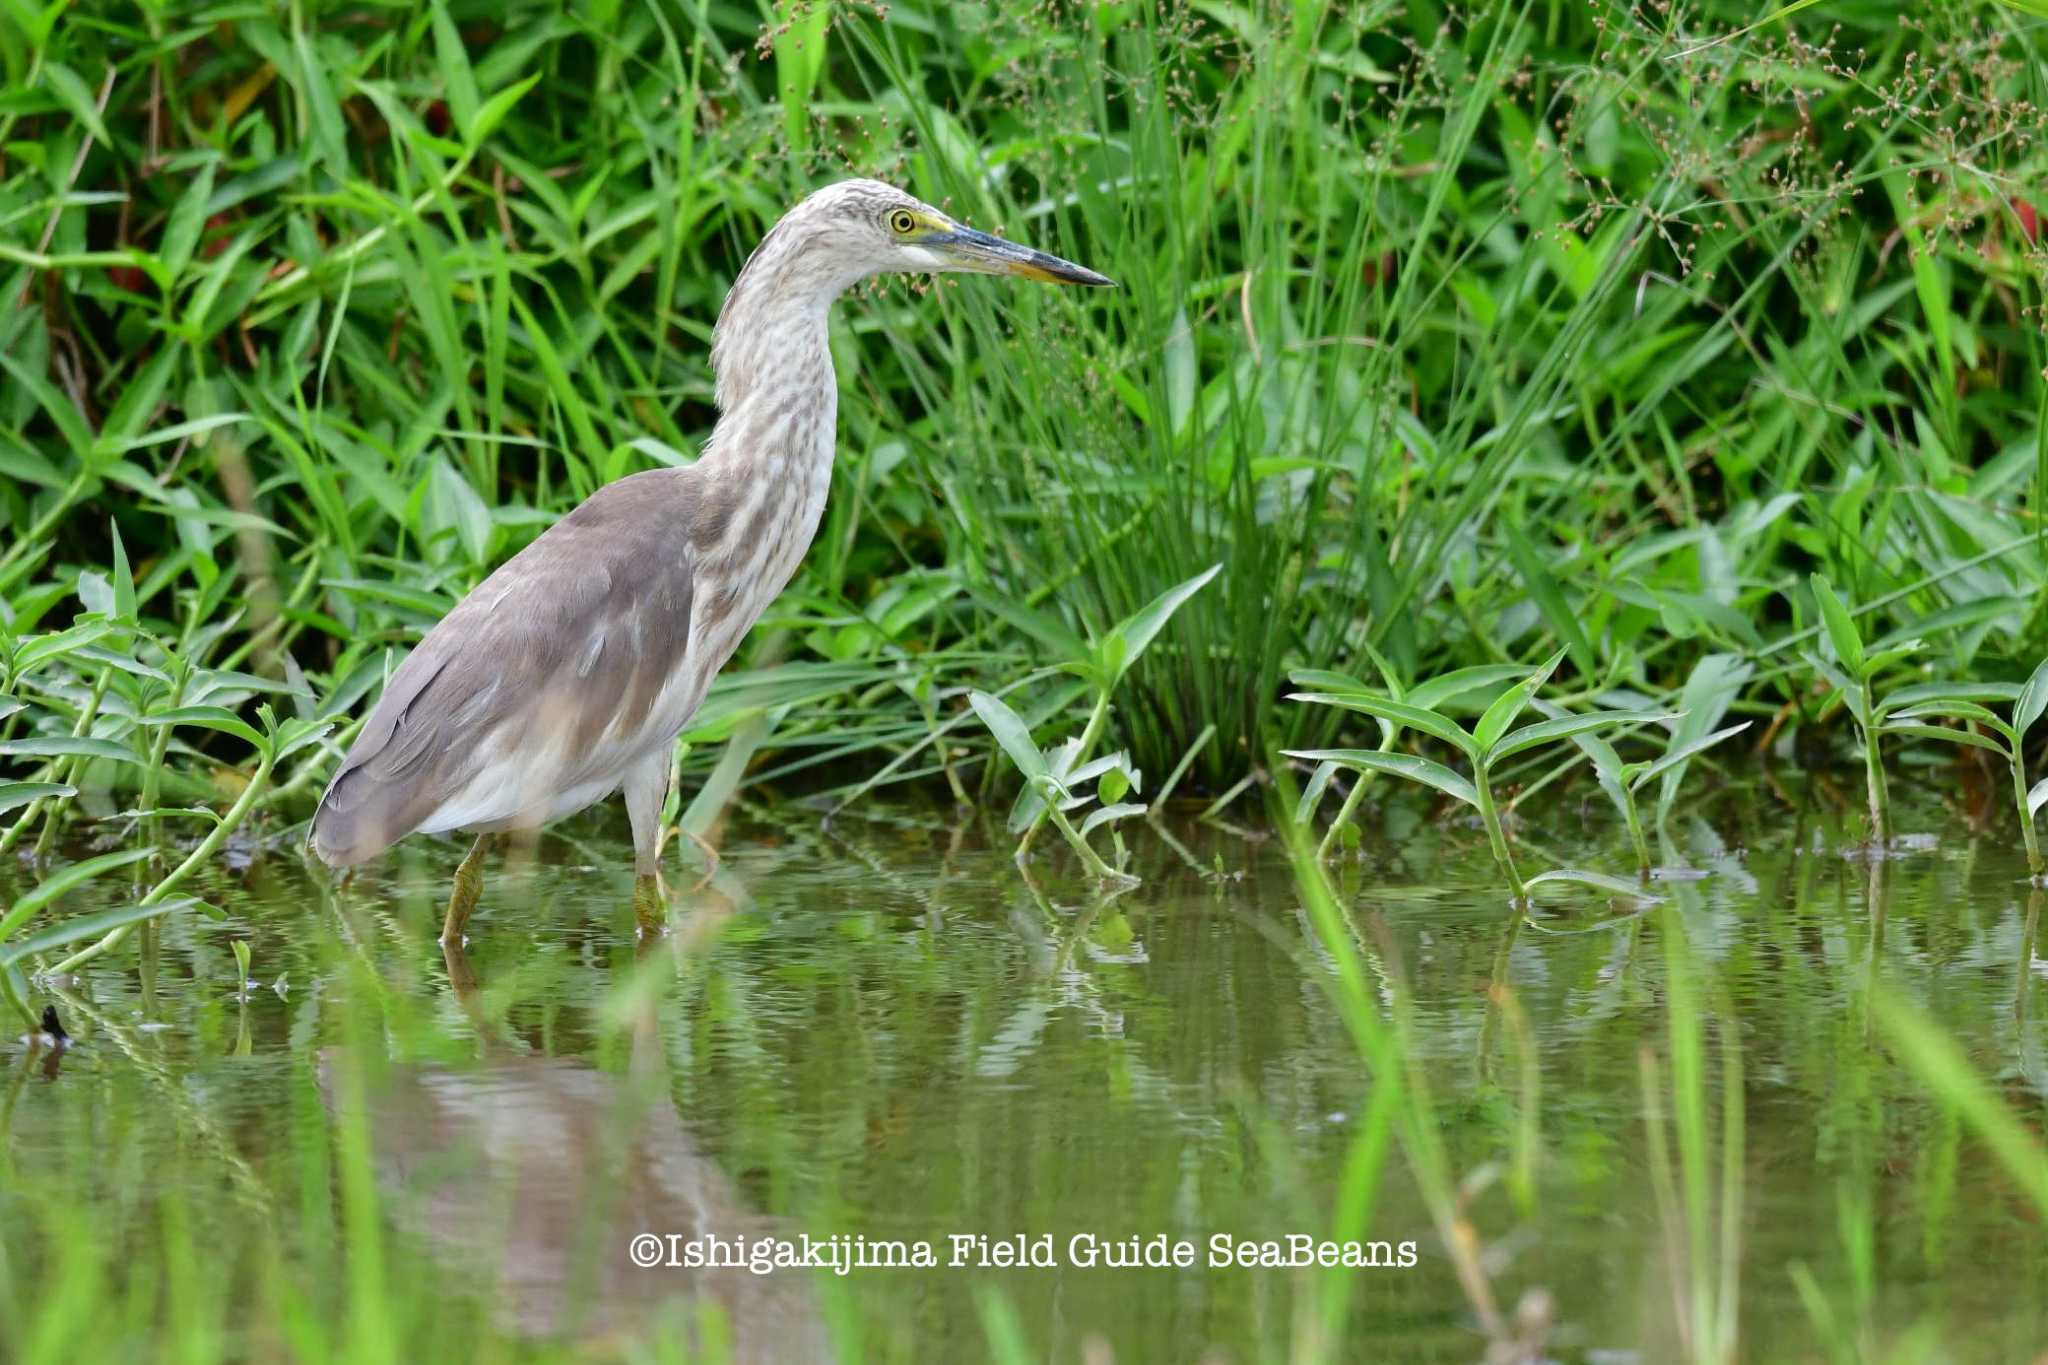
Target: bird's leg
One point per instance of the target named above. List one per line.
(469, 884)
(646, 787)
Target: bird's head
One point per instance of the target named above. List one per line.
(874, 229)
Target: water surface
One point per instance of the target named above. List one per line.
(881, 1030)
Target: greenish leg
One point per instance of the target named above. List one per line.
(650, 911)
(469, 884)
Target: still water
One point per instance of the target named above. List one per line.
(879, 1034)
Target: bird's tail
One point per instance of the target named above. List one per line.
(342, 836)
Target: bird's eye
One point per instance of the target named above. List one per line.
(902, 223)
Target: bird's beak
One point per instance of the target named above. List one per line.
(986, 255)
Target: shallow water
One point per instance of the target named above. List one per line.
(881, 1030)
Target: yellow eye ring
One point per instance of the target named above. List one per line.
(902, 223)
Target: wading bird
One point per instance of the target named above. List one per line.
(567, 674)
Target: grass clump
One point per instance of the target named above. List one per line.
(1490, 742)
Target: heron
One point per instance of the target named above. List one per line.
(566, 675)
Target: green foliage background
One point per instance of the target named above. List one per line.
(1462, 335)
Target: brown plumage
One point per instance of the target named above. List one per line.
(568, 673)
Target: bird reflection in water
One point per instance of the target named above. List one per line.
(544, 1170)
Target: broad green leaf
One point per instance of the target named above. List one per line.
(197, 426)
(1397, 765)
(1944, 622)
(1326, 680)
(63, 880)
(181, 234)
(1545, 731)
(1954, 710)
(1047, 630)
(1010, 732)
(1105, 814)
(2033, 700)
(1711, 688)
(1969, 737)
(1109, 656)
(1851, 692)
(1445, 687)
(69, 746)
(1919, 694)
(295, 734)
(1674, 757)
(43, 648)
(1840, 626)
(96, 594)
(1397, 713)
(1876, 661)
(89, 926)
(1499, 716)
(122, 577)
(14, 794)
(1389, 675)
(206, 718)
(2037, 797)
(1312, 793)
(61, 411)
(69, 87)
(1140, 628)
(1549, 597)
(458, 82)
(497, 106)
(1608, 768)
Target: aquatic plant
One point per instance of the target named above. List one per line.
(1490, 742)
(1101, 663)
(1431, 694)
(1906, 712)
(1056, 784)
(1623, 780)
(14, 953)
(1851, 674)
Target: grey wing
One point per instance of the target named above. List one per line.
(547, 668)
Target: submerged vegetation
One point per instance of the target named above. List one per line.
(1701, 361)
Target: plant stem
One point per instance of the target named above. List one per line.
(1873, 776)
(159, 745)
(1351, 800)
(1635, 829)
(1089, 856)
(1491, 816)
(206, 849)
(1088, 734)
(2019, 797)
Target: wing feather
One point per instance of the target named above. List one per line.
(559, 656)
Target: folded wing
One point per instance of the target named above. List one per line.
(541, 684)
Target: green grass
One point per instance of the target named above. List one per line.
(1609, 364)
